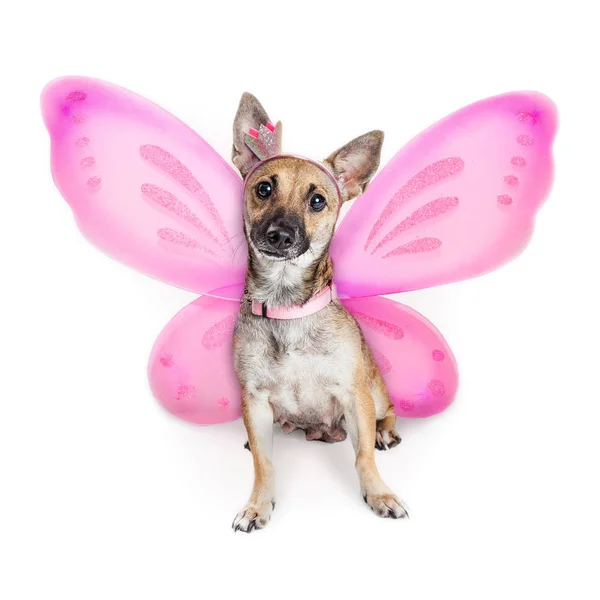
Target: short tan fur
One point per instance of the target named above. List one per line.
(314, 373)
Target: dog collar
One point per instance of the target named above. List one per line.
(320, 300)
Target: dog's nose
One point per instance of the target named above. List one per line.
(280, 237)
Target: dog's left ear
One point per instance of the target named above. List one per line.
(355, 163)
(250, 115)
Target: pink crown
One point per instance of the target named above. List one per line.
(266, 142)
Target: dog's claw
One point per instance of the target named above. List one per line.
(254, 516)
(386, 439)
(387, 505)
(247, 445)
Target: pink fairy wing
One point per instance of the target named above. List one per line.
(458, 201)
(144, 187)
(416, 362)
(191, 366)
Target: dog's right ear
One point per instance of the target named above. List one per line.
(250, 115)
(354, 164)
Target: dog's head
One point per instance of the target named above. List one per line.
(290, 204)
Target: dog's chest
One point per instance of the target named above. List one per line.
(306, 388)
(303, 366)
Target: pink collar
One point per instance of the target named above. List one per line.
(315, 304)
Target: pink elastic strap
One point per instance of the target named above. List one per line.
(315, 304)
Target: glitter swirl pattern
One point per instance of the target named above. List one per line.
(76, 96)
(389, 330)
(428, 244)
(185, 393)
(436, 387)
(425, 213)
(430, 175)
(171, 203)
(505, 200)
(178, 171)
(525, 140)
(181, 239)
(93, 183)
(166, 360)
(222, 403)
(219, 333)
(385, 366)
(405, 405)
(88, 161)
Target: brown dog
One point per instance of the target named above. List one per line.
(316, 372)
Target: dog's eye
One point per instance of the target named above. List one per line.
(317, 202)
(263, 189)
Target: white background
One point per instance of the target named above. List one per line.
(104, 495)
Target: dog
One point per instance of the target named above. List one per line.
(314, 372)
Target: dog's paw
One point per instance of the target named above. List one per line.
(386, 505)
(386, 438)
(253, 516)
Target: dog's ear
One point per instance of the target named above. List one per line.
(355, 163)
(250, 115)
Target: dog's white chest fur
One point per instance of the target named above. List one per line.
(307, 388)
(302, 368)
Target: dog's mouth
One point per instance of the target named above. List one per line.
(279, 255)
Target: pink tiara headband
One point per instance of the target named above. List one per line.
(266, 145)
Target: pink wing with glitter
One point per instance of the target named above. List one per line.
(191, 366)
(458, 201)
(416, 362)
(144, 187)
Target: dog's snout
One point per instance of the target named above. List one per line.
(280, 234)
(281, 237)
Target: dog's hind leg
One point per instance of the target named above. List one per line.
(386, 435)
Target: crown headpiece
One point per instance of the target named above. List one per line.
(266, 142)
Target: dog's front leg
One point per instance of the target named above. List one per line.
(258, 419)
(361, 426)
